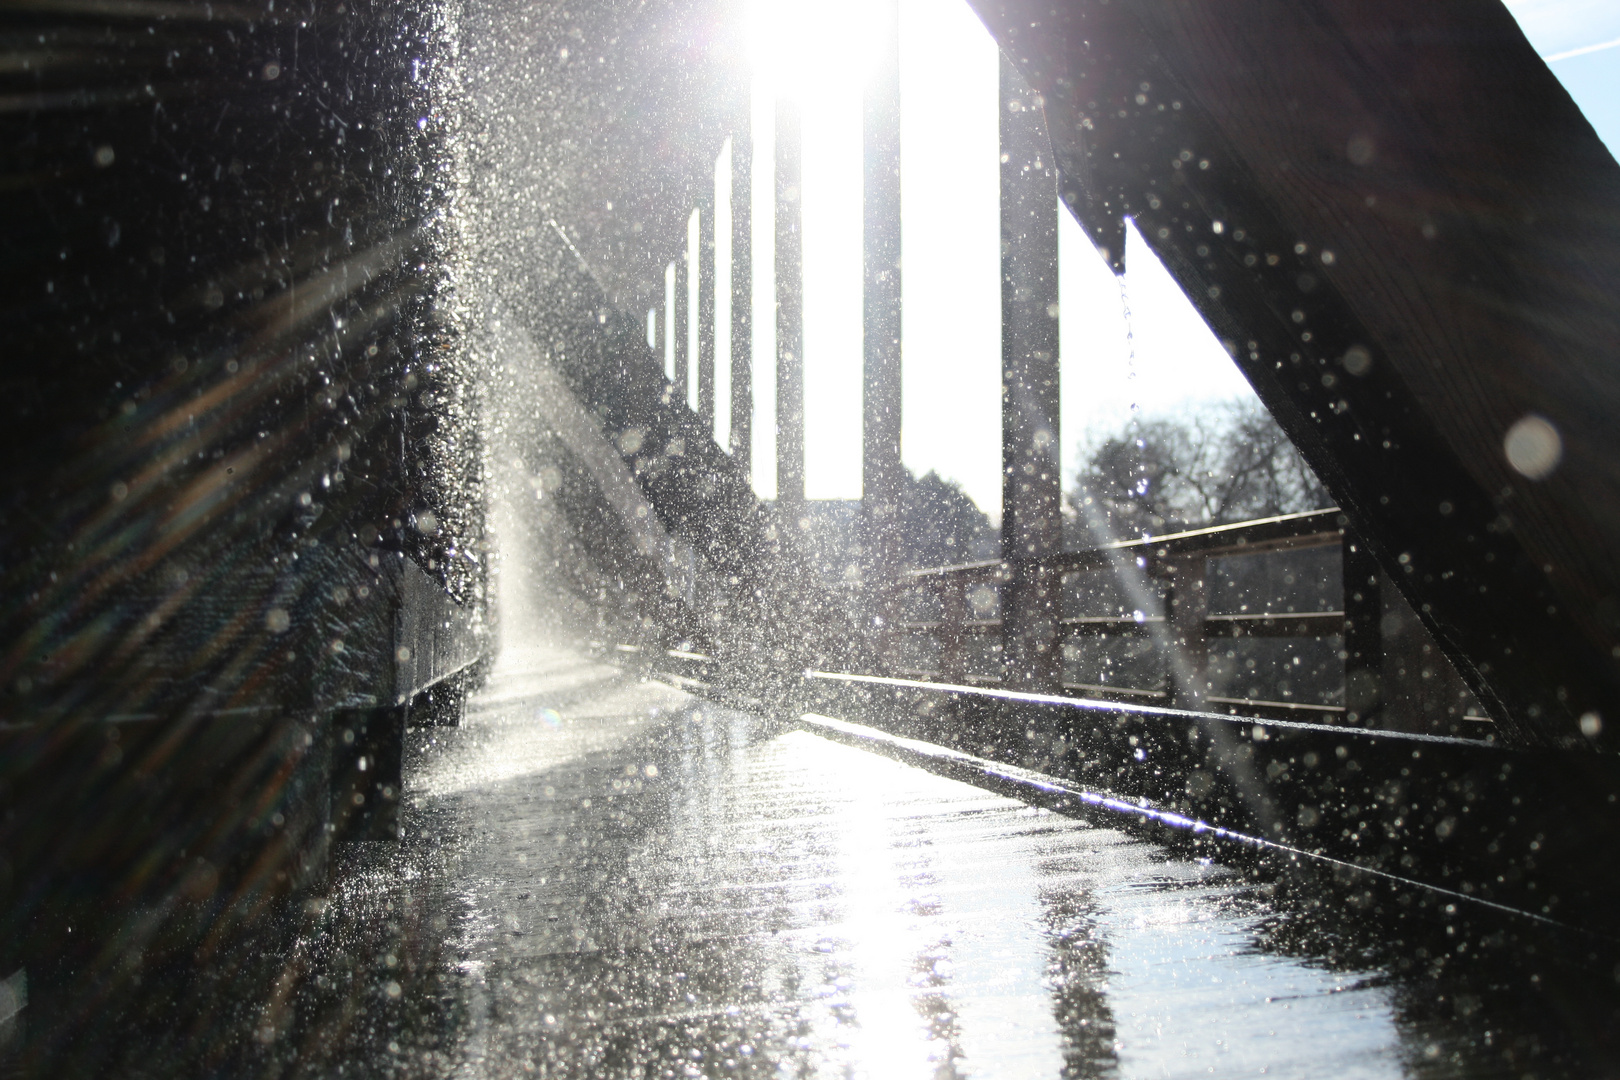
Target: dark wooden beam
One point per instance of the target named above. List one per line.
(706, 304)
(1210, 775)
(1031, 519)
(881, 470)
(789, 312)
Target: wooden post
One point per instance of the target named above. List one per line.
(742, 297)
(693, 308)
(673, 368)
(1031, 518)
(1189, 607)
(705, 316)
(952, 590)
(882, 474)
(1363, 633)
(881, 471)
(678, 326)
(789, 315)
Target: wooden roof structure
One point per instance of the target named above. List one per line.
(1408, 237)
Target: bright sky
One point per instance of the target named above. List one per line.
(1162, 359)
(1555, 27)
(1580, 40)
(952, 333)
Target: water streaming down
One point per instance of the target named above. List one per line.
(1130, 338)
(1122, 587)
(626, 843)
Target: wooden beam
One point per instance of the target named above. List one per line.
(881, 470)
(742, 295)
(1031, 493)
(706, 305)
(789, 313)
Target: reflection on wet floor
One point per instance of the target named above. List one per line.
(607, 878)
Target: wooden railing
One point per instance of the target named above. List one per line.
(1386, 683)
(1185, 628)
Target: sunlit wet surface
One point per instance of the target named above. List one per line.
(607, 877)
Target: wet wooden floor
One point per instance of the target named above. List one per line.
(608, 878)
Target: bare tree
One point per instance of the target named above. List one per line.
(1230, 462)
(941, 524)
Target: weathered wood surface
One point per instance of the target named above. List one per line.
(1418, 246)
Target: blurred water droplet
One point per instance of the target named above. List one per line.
(1533, 447)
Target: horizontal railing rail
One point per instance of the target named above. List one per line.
(1256, 624)
(1284, 532)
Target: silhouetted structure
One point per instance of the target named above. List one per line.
(295, 297)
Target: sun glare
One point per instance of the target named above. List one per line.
(805, 49)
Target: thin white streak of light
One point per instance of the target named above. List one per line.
(1582, 51)
(694, 289)
(669, 322)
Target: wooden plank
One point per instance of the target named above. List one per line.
(1286, 532)
(1031, 477)
(789, 314)
(1277, 624)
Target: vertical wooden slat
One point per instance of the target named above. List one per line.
(705, 261)
(1032, 525)
(952, 591)
(672, 319)
(1189, 607)
(881, 469)
(742, 296)
(789, 314)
